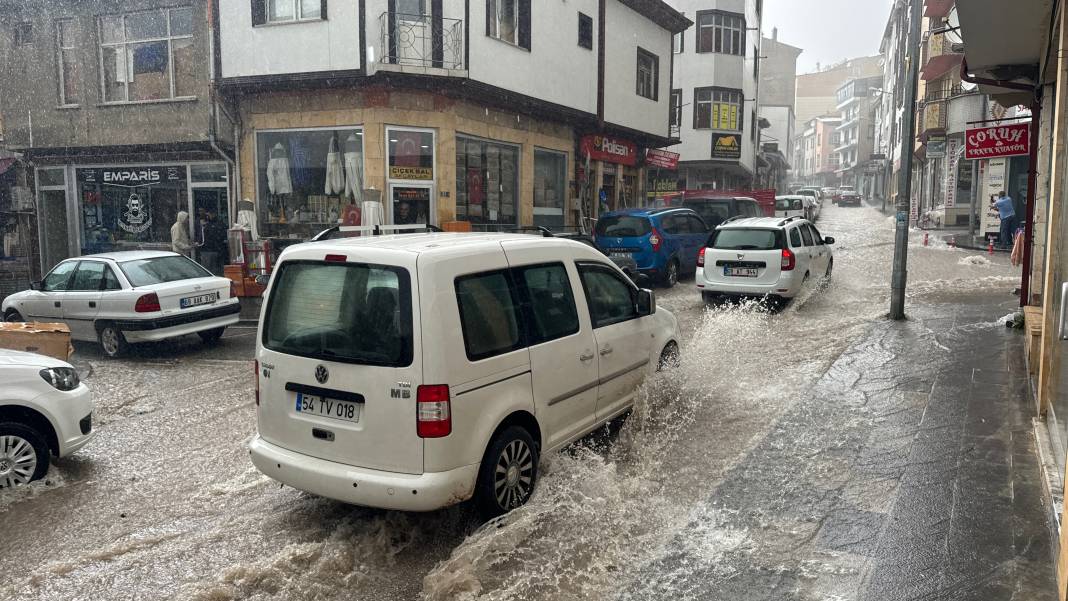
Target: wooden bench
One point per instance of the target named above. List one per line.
(1033, 330)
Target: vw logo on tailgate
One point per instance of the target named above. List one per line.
(321, 374)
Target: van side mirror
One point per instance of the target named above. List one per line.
(646, 302)
(828, 240)
(641, 280)
(35, 285)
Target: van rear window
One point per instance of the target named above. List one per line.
(747, 239)
(623, 226)
(349, 312)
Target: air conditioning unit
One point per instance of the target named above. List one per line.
(21, 199)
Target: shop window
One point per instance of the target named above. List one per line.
(550, 183)
(648, 75)
(585, 31)
(716, 108)
(68, 64)
(487, 186)
(51, 177)
(210, 173)
(23, 34)
(509, 21)
(411, 154)
(148, 55)
(676, 108)
(308, 180)
(124, 208)
(722, 32)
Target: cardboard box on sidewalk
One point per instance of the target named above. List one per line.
(50, 339)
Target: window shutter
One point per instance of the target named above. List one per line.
(524, 24)
(259, 12)
(322, 10)
(490, 15)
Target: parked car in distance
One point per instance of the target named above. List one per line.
(415, 372)
(126, 297)
(714, 210)
(842, 190)
(790, 205)
(815, 197)
(662, 242)
(44, 410)
(768, 258)
(849, 199)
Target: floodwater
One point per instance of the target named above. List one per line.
(164, 504)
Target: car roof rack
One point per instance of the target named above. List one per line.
(789, 219)
(375, 230)
(544, 231)
(730, 219)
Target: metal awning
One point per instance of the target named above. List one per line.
(937, 8)
(1005, 44)
(939, 66)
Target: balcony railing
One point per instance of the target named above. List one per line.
(422, 41)
(943, 90)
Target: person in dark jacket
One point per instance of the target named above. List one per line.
(214, 251)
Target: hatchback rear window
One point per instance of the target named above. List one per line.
(349, 312)
(159, 270)
(623, 226)
(747, 239)
(712, 212)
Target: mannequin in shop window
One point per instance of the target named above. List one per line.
(279, 182)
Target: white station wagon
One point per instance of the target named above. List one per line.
(414, 372)
(128, 297)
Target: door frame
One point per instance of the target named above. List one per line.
(431, 210)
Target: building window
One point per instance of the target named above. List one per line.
(487, 182)
(716, 108)
(509, 21)
(721, 32)
(287, 11)
(756, 63)
(148, 55)
(67, 60)
(676, 108)
(550, 184)
(648, 74)
(23, 34)
(678, 42)
(585, 31)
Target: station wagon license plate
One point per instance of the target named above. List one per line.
(200, 299)
(740, 272)
(323, 407)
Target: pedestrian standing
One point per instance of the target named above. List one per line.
(180, 242)
(1008, 219)
(214, 252)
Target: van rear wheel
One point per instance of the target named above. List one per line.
(508, 472)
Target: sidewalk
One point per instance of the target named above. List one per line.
(908, 472)
(954, 236)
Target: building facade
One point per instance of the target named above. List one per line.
(778, 90)
(715, 90)
(816, 92)
(815, 159)
(855, 133)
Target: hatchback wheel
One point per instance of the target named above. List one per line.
(23, 455)
(13, 316)
(508, 472)
(669, 357)
(830, 266)
(671, 276)
(112, 341)
(211, 336)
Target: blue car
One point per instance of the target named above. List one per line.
(664, 242)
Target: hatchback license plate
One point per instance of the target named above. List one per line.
(200, 299)
(742, 272)
(620, 255)
(323, 407)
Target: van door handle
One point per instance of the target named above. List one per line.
(607, 350)
(57, 303)
(92, 304)
(587, 356)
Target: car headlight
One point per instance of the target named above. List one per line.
(61, 378)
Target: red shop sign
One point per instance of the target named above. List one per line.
(662, 158)
(997, 141)
(613, 150)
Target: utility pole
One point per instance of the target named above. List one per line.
(908, 139)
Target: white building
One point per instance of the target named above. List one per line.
(716, 75)
(483, 113)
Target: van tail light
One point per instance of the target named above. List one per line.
(788, 261)
(655, 240)
(148, 303)
(256, 378)
(433, 412)
(701, 257)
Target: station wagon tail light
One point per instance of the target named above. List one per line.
(701, 257)
(336, 258)
(655, 240)
(148, 303)
(433, 417)
(788, 261)
(256, 378)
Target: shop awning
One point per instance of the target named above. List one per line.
(937, 8)
(1005, 45)
(938, 66)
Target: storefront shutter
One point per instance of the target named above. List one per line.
(524, 24)
(259, 12)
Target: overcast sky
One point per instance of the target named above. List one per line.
(827, 30)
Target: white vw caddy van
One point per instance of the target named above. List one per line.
(413, 372)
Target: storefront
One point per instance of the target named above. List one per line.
(86, 209)
(615, 172)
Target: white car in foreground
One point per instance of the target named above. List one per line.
(766, 257)
(415, 372)
(44, 409)
(127, 297)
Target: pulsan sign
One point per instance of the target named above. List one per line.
(997, 141)
(613, 150)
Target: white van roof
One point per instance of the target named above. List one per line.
(428, 243)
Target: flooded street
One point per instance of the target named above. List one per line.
(694, 495)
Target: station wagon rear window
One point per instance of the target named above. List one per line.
(623, 226)
(348, 312)
(159, 270)
(747, 239)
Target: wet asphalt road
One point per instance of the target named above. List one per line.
(164, 503)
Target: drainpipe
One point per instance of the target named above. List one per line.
(1032, 158)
